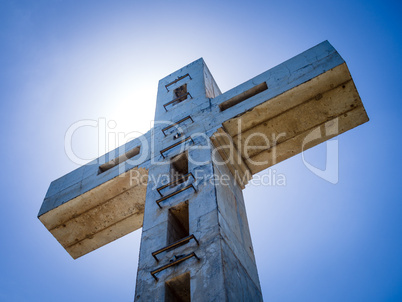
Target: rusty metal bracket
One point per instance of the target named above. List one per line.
(176, 144)
(177, 100)
(174, 193)
(178, 79)
(179, 260)
(174, 245)
(176, 123)
(184, 178)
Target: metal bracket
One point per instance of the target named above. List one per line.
(178, 79)
(184, 178)
(174, 193)
(178, 122)
(174, 245)
(177, 100)
(179, 260)
(176, 144)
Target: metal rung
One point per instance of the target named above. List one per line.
(181, 259)
(174, 193)
(184, 178)
(176, 100)
(174, 245)
(178, 122)
(178, 79)
(176, 144)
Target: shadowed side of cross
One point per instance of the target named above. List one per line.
(294, 106)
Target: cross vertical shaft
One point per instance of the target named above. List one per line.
(212, 210)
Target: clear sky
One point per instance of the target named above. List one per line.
(65, 61)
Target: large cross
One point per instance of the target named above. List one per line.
(182, 181)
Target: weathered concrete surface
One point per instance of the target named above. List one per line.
(239, 264)
(217, 215)
(231, 157)
(99, 216)
(285, 110)
(89, 177)
(279, 128)
(218, 219)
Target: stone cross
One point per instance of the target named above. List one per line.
(182, 181)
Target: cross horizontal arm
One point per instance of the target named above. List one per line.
(273, 116)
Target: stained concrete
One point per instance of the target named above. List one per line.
(288, 119)
(99, 216)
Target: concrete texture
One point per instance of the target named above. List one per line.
(99, 216)
(288, 118)
(287, 109)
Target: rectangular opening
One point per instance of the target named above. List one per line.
(178, 223)
(180, 94)
(243, 96)
(114, 162)
(178, 289)
(178, 167)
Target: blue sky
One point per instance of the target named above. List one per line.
(64, 61)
